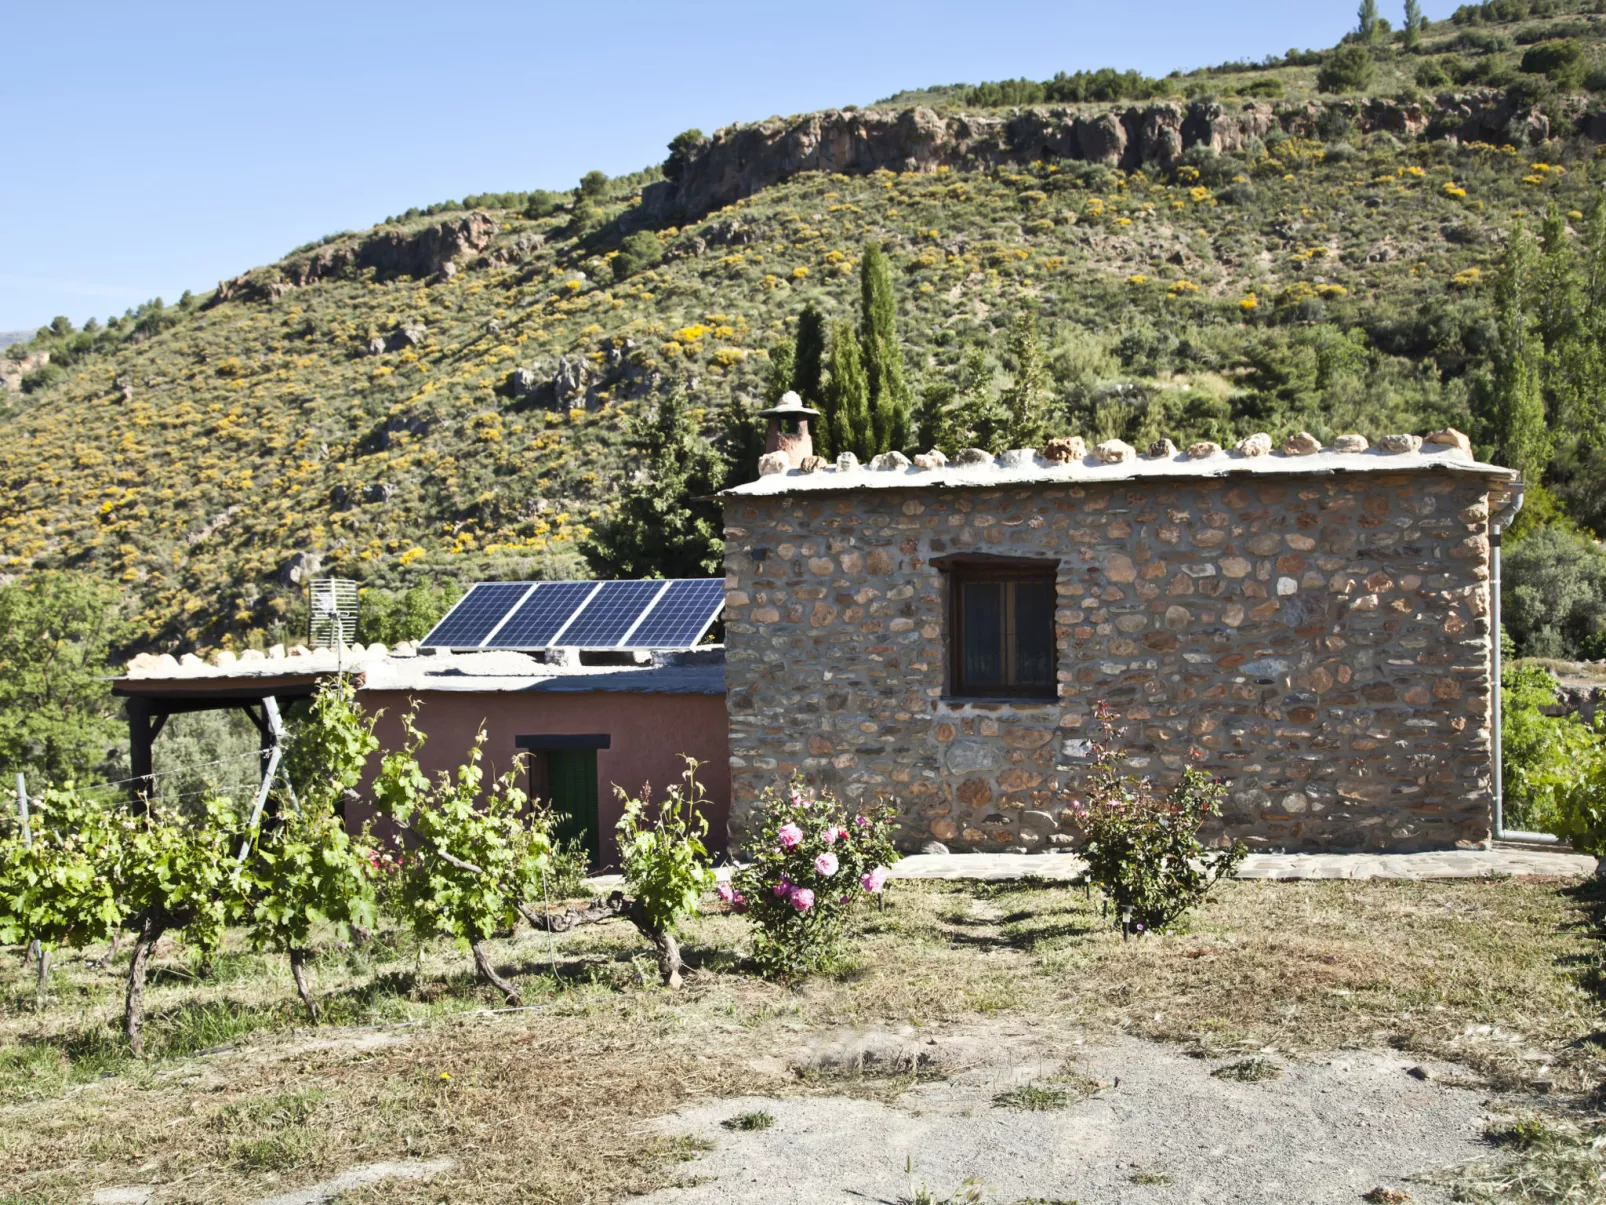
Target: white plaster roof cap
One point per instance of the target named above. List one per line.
(1029, 467)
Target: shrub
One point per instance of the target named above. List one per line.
(1143, 850)
(1545, 761)
(637, 252)
(812, 865)
(1267, 86)
(1347, 69)
(1555, 591)
(1563, 62)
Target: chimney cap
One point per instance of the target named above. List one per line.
(790, 406)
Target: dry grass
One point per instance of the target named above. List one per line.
(553, 1103)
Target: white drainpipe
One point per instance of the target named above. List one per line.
(1498, 522)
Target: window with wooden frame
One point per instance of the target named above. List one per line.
(1001, 628)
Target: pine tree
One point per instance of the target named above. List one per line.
(1413, 23)
(1515, 405)
(847, 395)
(883, 356)
(659, 528)
(1026, 401)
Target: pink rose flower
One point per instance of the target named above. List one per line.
(802, 899)
(726, 892)
(875, 880)
(862, 821)
(783, 888)
(829, 836)
(790, 836)
(825, 865)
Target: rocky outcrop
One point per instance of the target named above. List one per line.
(12, 371)
(435, 251)
(740, 160)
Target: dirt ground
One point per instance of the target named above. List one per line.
(1045, 1114)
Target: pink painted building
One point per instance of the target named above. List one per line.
(575, 731)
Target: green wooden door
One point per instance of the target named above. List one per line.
(572, 779)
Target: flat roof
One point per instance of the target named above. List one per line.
(693, 671)
(1028, 467)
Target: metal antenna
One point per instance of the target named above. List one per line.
(332, 618)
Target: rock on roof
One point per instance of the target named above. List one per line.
(1068, 462)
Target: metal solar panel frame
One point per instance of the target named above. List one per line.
(643, 614)
(479, 596)
(698, 612)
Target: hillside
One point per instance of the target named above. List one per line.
(442, 395)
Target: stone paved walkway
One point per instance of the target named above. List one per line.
(1445, 864)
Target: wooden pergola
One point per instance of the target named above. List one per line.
(151, 700)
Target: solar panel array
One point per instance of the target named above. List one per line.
(592, 615)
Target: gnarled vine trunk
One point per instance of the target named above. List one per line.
(298, 972)
(482, 963)
(44, 976)
(611, 908)
(150, 932)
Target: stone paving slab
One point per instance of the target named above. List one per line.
(1440, 864)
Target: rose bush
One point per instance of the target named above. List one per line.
(812, 864)
(1143, 850)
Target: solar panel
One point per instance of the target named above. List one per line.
(609, 616)
(682, 615)
(476, 616)
(541, 616)
(592, 615)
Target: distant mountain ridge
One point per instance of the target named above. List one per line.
(444, 394)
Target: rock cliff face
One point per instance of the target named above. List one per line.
(437, 250)
(740, 160)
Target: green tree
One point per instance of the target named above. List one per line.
(1366, 20)
(1514, 401)
(391, 618)
(808, 374)
(637, 253)
(594, 185)
(955, 413)
(1347, 69)
(883, 355)
(58, 720)
(741, 438)
(847, 395)
(1554, 593)
(681, 148)
(808, 357)
(1025, 402)
(663, 525)
(1414, 23)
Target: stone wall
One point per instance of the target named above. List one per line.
(1323, 640)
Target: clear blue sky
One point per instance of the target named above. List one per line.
(150, 148)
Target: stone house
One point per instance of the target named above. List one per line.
(1314, 621)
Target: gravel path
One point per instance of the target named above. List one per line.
(1163, 1129)
(1439, 864)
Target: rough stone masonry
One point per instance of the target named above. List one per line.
(1315, 621)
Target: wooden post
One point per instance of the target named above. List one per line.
(141, 736)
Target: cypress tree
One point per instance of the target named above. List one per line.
(808, 360)
(808, 369)
(883, 357)
(658, 528)
(1516, 409)
(847, 395)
